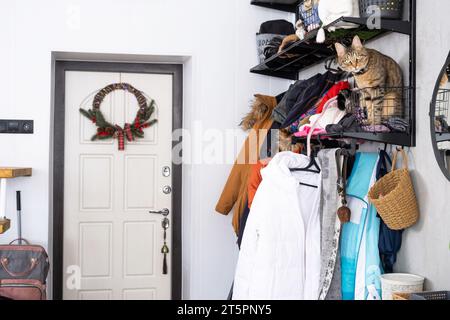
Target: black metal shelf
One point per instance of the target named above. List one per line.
(276, 6)
(305, 53)
(395, 138)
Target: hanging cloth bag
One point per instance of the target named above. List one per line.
(394, 197)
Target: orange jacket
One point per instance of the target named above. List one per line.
(255, 179)
(234, 193)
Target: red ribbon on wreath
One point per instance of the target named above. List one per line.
(128, 132)
(120, 137)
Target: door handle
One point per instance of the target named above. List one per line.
(164, 212)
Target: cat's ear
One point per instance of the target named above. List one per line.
(357, 44)
(340, 49)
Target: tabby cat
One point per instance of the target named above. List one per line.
(379, 77)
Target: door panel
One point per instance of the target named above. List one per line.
(138, 240)
(96, 174)
(95, 249)
(140, 173)
(108, 231)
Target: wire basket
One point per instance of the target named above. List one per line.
(389, 9)
(381, 109)
(436, 295)
(442, 107)
(309, 13)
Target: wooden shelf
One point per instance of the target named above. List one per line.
(9, 173)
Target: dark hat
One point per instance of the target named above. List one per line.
(281, 27)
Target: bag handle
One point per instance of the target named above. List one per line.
(404, 156)
(20, 239)
(33, 263)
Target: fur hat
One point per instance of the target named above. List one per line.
(261, 109)
(285, 142)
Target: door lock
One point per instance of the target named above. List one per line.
(166, 171)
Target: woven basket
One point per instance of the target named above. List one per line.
(389, 9)
(394, 197)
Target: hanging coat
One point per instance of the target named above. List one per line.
(330, 274)
(360, 259)
(303, 96)
(390, 241)
(234, 194)
(280, 250)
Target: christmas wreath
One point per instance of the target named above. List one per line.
(130, 131)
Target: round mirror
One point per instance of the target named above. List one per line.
(440, 119)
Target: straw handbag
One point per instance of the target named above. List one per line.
(394, 197)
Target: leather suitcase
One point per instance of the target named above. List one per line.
(23, 271)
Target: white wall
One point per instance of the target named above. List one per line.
(217, 34)
(426, 248)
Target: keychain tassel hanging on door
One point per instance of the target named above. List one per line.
(165, 249)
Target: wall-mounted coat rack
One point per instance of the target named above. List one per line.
(305, 53)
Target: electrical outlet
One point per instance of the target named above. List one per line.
(17, 126)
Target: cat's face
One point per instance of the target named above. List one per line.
(354, 59)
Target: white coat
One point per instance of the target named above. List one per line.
(280, 251)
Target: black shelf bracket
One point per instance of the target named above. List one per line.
(273, 5)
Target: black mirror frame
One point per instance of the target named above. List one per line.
(432, 119)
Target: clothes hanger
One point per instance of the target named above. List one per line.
(312, 166)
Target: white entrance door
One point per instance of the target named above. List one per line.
(110, 239)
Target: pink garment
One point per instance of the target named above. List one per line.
(306, 129)
(330, 115)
